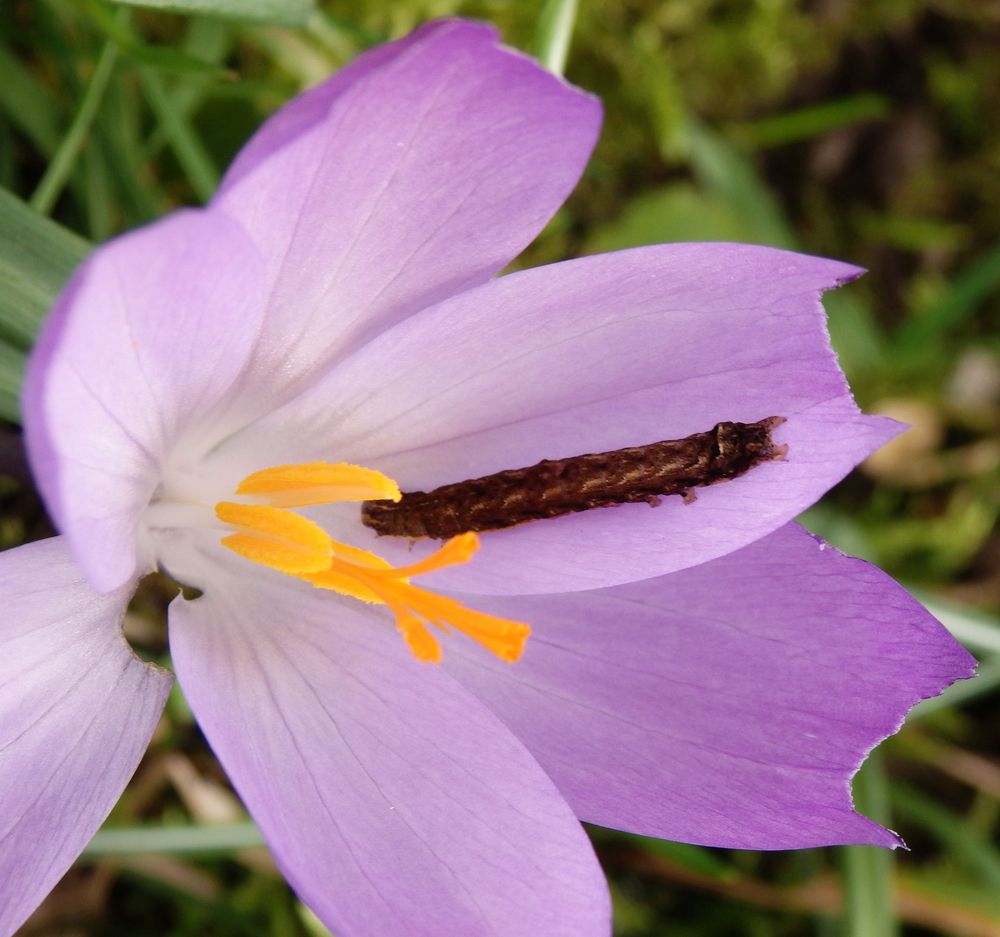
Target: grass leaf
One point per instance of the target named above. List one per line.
(219, 838)
(806, 122)
(277, 12)
(36, 258)
(58, 171)
(554, 33)
(11, 375)
(868, 870)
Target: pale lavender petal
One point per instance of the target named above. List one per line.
(393, 801)
(419, 171)
(305, 111)
(728, 704)
(147, 339)
(586, 356)
(77, 709)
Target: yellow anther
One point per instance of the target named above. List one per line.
(276, 538)
(296, 486)
(283, 540)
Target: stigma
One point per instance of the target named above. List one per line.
(265, 531)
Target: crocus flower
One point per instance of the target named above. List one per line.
(215, 393)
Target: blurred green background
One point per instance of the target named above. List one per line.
(861, 129)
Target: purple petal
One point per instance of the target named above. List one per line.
(419, 171)
(587, 356)
(149, 336)
(77, 709)
(728, 704)
(393, 801)
(307, 110)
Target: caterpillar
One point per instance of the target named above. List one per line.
(555, 487)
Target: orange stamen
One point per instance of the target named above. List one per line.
(457, 550)
(283, 540)
(501, 636)
(296, 486)
(276, 538)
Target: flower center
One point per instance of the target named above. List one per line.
(267, 533)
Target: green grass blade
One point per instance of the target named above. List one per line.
(36, 257)
(161, 57)
(807, 122)
(8, 168)
(276, 12)
(187, 146)
(176, 840)
(967, 292)
(952, 831)
(730, 176)
(99, 199)
(28, 105)
(121, 131)
(211, 41)
(554, 34)
(868, 870)
(11, 375)
(59, 169)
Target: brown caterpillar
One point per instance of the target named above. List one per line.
(555, 487)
